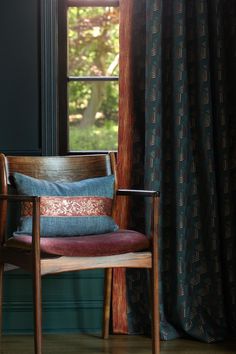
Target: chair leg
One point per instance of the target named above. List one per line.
(155, 312)
(37, 312)
(107, 302)
(1, 296)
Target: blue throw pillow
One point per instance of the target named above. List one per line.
(67, 209)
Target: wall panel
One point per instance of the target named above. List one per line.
(19, 77)
(71, 302)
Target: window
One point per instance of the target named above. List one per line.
(89, 70)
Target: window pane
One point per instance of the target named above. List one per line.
(93, 115)
(93, 41)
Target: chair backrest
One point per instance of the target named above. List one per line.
(56, 168)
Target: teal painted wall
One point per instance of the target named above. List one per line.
(71, 303)
(19, 76)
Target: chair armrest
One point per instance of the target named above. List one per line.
(154, 213)
(18, 198)
(135, 192)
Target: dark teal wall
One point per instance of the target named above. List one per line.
(19, 76)
(71, 302)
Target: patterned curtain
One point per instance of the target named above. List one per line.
(191, 159)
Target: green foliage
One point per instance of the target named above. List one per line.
(109, 105)
(93, 39)
(80, 93)
(94, 137)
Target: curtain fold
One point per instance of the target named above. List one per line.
(190, 157)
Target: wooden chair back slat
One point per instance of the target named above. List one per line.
(60, 168)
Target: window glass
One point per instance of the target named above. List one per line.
(93, 58)
(93, 42)
(93, 115)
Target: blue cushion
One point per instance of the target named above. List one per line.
(68, 209)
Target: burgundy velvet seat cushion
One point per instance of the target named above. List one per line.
(118, 242)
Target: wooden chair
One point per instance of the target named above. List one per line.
(30, 257)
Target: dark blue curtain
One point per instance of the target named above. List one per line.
(191, 158)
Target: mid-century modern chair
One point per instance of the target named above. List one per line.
(49, 192)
